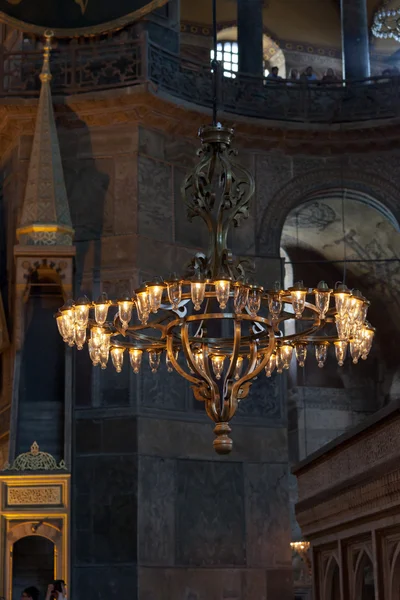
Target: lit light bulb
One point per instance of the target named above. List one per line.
(301, 354)
(168, 362)
(104, 351)
(279, 361)
(254, 301)
(175, 293)
(68, 315)
(94, 353)
(197, 290)
(355, 351)
(101, 309)
(367, 337)
(135, 357)
(343, 327)
(125, 307)
(143, 306)
(155, 292)
(217, 361)
(98, 336)
(241, 294)
(342, 296)
(286, 353)
(270, 367)
(340, 352)
(198, 357)
(154, 360)
(80, 337)
(298, 294)
(81, 310)
(321, 352)
(222, 289)
(322, 298)
(117, 357)
(239, 367)
(355, 305)
(61, 326)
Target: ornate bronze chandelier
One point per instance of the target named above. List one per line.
(212, 325)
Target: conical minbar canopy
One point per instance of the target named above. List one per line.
(45, 218)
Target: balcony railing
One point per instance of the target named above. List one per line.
(95, 67)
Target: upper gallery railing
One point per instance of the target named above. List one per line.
(93, 67)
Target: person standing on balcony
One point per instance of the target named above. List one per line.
(293, 77)
(309, 75)
(273, 76)
(330, 77)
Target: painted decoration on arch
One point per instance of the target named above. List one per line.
(74, 17)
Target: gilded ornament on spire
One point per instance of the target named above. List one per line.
(45, 218)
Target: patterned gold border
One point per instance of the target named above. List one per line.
(93, 30)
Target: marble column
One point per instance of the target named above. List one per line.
(250, 36)
(355, 43)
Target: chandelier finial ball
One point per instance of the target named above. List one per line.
(223, 443)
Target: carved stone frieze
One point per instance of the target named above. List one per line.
(373, 448)
(34, 495)
(351, 504)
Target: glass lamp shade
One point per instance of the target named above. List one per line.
(298, 295)
(175, 293)
(155, 292)
(241, 294)
(341, 351)
(197, 289)
(321, 353)
(322, 298)
(81, 312)
(217, 361)
(254, 301)
(286, 352)
(135, 357)
(154, 360)
(301, 354)
(143, 306)
(342, 297)
(101, 309)
(125, 308)
(222, 289)
(117, 357)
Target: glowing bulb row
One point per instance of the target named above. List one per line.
(351, 307)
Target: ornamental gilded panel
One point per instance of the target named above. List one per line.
(34, 496)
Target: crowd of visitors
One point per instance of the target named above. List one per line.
(330, 77)
(307, 76)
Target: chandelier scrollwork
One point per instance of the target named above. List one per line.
(214, 326)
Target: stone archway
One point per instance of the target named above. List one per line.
(331, 589)
(31, 529)
(303, 187)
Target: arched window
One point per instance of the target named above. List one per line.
(228, 55)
